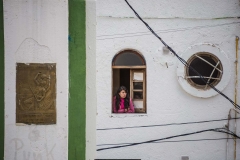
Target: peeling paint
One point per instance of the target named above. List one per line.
(31, 51)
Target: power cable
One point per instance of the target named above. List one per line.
(160, 31)
(182, 60)
(220, 130)
(186, 140)
(169, 124)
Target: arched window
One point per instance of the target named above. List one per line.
(129, 70)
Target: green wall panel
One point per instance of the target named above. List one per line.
(1, 83)
(77, 80)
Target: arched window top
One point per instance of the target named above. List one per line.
(128, 58)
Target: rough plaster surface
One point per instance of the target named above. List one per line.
(193, 9)
(36, 32)
(91, 97)
(31, 51)
(167, 102)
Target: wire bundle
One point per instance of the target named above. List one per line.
(182, 60)
(170, 124)
(220, 130)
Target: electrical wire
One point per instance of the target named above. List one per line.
(186, 140)
(220, 130)
(160, 31)
(182, 60)
(169, 124)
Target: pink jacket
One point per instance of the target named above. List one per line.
(130, 110)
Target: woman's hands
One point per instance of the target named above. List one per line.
(127, 109)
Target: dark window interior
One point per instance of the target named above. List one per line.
(204, 69)
(200, 62)
(125, 78)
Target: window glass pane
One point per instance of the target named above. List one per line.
(208, 65)
(137, 85)
(138, 104)
(203, 68)
(128, 58)
(138, 76)
(137, 95)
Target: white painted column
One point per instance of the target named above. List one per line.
(36, 32)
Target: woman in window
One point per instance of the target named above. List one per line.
(121, 101)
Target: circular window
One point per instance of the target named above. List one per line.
(211, 63)
(207, 65)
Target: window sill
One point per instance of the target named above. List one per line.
(122, 115)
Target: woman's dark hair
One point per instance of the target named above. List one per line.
(118, 98)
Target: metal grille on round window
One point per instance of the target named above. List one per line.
(208, 65)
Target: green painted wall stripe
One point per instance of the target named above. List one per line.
(1, 83)
(77, 80)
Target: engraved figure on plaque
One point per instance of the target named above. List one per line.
(36, 93)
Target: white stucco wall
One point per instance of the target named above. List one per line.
(117, 29)
(91, 95)
(36, 32)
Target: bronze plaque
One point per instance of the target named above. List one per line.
(36, 93)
